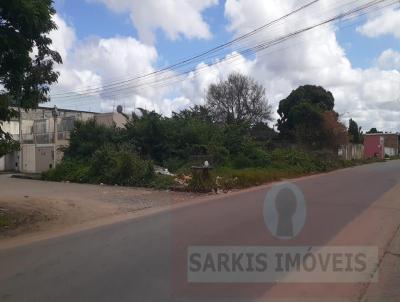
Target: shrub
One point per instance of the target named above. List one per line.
(175, 164)
(202, 181)
(108, 166)
(120, 167)
(5, 221)
(258, 157)
(162, 182)
(219, 154)
(68, 170)
(88, 137)
(241, 161)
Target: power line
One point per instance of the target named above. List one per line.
(260, 47)
(91, 91)
(199, 56)
(197, 71)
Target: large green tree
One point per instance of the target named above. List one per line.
(305, 98)
(26, 59)
(307, 117)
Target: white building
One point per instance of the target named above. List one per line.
(45, 131)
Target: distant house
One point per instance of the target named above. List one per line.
(380, 144)
(44, 132)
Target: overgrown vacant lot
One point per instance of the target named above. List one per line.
(233, 134)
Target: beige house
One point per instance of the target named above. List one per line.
(44, 132)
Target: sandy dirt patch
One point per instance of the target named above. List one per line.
(31, 206)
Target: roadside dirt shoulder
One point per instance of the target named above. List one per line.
(28, 206)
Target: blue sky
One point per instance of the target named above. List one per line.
(94, 19)
(109, 39)
(363, 51)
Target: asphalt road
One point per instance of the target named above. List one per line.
(145, 259)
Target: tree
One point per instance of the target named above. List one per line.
(238, 100)
(335, 132)
(354, 132)
(261, 132)
(307, 118)
(318, 100)
(309, 127)
(197, 112)
(373, 131)
(26, 60)
(88, 137)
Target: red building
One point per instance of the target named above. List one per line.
(380, 144)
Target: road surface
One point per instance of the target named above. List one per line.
(146, 259)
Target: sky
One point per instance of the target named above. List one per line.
(104, 42)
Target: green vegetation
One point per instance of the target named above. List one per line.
(241, 148)
(285, 164)
(355, 133)
(4, 221)
(26, 60)
(307, 118)
(107, 165)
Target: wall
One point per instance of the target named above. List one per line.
(119, 120)
(374, 146)
(44, 158)
(11, 161)
(111, 119)
(390, 151)
(28, 162)
(11, 127)
(351, 151)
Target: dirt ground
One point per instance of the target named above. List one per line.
(30, 206)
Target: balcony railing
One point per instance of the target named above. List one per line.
(43, 138)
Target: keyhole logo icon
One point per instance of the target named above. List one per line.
(285, 211)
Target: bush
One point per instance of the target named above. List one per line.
(258, 157)
(219, 154)
(120, 167)
(108, 166)
(202, 181)
(88, 137)
(5, 221)
(175, 164)
(68, 170)
(162, 182)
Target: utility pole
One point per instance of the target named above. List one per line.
(55, 116)
(21, 150)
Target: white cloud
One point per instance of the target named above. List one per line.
(64, 38)
(195, 85)
(175, 17)
(316, 58)
(98, 62)
(386, 22)
(115, 59)
(371, 96)
(389, 60)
